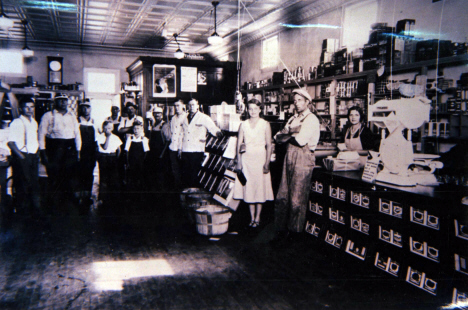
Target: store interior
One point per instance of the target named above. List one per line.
(377, 236)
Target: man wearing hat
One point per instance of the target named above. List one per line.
(301, 133)
(59, 146)
(125, 128)
(158, 157)
(115, 119)
(89, 133)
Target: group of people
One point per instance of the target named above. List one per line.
(301, 135)
(129, 162)
(69, 147)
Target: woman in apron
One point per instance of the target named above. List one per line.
(358, 137)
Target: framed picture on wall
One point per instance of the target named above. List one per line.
(164, 81)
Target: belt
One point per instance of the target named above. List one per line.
(312, 151)
(108, 154)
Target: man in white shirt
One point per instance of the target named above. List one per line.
(59, 146)
(25, 160)
(176, 141)
(302, 133)
(195, 127)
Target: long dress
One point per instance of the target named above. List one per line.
(258, 186)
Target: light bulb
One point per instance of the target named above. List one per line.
(215, 39)
(27, 52)
(6, 23)
(179, 54)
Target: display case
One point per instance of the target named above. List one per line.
(413, 236)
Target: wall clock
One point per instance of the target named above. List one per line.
(55, 70)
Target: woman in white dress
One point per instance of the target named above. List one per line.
(254, 162)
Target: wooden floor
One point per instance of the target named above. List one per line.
(51, 264)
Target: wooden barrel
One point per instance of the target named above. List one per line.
(193, 198)
(212, 220)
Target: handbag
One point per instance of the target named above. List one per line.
(241, 177)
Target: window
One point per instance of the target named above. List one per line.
(270, 52)
(102, 87)
(11, 63)
(357, 22)
(101, 81)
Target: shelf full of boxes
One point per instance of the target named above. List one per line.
(392, 57)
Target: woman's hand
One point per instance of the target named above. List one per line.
(266, 168)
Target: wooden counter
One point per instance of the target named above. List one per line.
(416, 236)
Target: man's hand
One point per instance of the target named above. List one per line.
(78, 155)
(43, 156)
(219, 134)
(266, 168)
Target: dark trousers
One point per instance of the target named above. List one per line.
(109, 183)
(175, 167)
(26, 183)
(191, 164)
(61, 170)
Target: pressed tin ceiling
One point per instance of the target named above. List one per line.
(149, 25)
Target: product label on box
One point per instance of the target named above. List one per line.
(370, 169)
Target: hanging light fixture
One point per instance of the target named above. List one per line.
(5, 22)
(215, 39)
(178, 54)
(26, 51)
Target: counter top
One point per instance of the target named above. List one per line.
(440, 192)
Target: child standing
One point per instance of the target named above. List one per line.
(136, 148)
(109, 152)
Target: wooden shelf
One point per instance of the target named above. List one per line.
(433, 63)
(34, 90)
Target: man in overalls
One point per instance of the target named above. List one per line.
(158, 158)
(302, 133)
(87, 164)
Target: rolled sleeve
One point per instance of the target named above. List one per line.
(309, 133)
(43, 127)
(16, 133)
(77, 135)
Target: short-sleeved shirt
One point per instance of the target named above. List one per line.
(114, 143)
(132, 138)
(24, 133)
